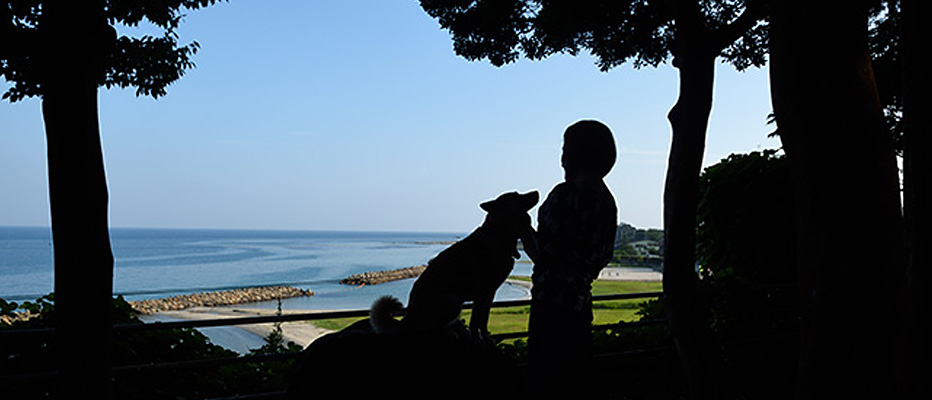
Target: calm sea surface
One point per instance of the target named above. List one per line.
(152, 263)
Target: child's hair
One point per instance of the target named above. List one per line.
(588, 146)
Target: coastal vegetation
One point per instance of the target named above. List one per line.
(633, 241)
(638, 247)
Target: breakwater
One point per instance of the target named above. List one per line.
(377, 277)
(16, 316)
(220, 298)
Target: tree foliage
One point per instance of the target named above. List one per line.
(614, 32)
(746, 249)
(745, 219)
(746, 244)
(639, 32)
(148, 63)
(627, 233)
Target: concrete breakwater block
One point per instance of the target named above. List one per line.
(377, 277)
(219, 298)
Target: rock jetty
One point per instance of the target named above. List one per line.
(377, 277)
(221, 298)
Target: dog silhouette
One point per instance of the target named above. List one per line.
(469, 270)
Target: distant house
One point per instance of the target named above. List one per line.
(639, 247)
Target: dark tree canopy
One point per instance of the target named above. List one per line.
(148, 63)
(640, 32)
(615, 32)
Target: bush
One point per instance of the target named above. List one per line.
(32, 354)
(747, 257)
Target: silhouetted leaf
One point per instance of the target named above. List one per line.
(149, 64)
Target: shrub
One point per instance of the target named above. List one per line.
(31, 353)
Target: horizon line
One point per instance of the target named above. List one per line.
(287, 229)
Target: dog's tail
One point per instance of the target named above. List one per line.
(382, 312)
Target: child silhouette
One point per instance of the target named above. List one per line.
(574, 240)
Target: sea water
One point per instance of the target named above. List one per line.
(153, 263)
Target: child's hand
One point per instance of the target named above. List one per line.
(529, 240)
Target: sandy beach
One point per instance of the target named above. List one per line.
(301, 332)
(631, 274)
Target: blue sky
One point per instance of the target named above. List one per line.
(357, 115)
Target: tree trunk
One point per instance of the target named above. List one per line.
(82, 255)
(689, 121)
(917, 176)
(83, 260)
(849, 226)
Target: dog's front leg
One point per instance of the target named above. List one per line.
(479, 322)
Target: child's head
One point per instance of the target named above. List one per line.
(588, 147)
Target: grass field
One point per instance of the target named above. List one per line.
(514, 319)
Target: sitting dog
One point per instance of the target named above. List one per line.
(471, 269)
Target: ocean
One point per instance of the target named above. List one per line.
(153, 263)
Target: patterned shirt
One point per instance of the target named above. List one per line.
(575, 240)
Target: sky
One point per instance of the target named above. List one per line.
(358, 115)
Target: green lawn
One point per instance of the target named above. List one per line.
(514, 319)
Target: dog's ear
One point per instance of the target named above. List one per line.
(529, 200)
(488, 206)
(494, 205)
(523, 202)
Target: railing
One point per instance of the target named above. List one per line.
(311, 316)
